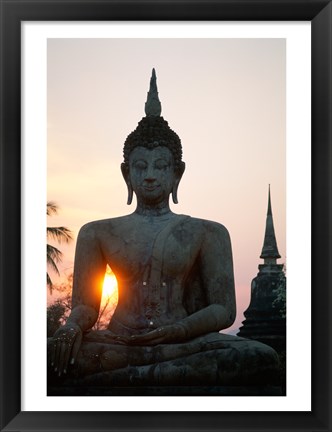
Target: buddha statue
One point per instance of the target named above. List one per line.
(175, 286)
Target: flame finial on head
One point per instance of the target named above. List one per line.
(152, 104)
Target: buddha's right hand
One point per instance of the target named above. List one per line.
(66, 343)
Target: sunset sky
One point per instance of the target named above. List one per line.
(224, 97)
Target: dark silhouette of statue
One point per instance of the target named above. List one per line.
(175, 282)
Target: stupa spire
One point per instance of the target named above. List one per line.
(265, 318)
(270, 251)
(152, 104)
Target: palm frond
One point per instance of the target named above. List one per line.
(54, 256)
(49, 282)
(52, 208)
(61, 234)
(52, 264)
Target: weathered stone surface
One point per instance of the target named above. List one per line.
(176, 292)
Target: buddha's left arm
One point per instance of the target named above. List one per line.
(216, 265)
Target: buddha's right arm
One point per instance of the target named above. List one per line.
(89, 271)
(84, 316)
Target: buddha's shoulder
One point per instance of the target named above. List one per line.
(122, 224)
(104, 225)
(205, 226)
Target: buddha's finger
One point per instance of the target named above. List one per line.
(67, 356)
(52, 352)
(57, 354)
(155, 341)
(76, 347)
(63, 349)
(148, 337)
(121, 340)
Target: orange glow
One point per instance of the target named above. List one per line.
(110, 284)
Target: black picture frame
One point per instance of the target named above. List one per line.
(12, 13)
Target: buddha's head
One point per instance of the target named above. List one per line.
(152, 154)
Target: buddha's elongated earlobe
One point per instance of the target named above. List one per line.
(125, 175)
(130, 194)
(178, 177)
(175, 194)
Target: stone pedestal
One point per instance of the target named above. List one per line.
(223, 365)
(166, 391)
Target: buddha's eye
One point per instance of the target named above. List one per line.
(161, 164)
(140, 165)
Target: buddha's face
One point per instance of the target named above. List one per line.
(151, 173)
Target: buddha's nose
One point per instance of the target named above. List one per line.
(150, 175)
(150, 179)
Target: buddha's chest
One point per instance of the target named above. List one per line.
(147, 251)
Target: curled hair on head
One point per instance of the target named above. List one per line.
(150, 133)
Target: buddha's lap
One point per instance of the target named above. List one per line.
(227, 350)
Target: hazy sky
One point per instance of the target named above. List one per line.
(224, 97)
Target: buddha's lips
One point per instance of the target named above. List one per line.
(151, 188)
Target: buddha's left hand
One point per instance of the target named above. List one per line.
(166, 334)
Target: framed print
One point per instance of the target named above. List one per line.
(281, 51)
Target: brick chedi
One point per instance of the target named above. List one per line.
(265, 319)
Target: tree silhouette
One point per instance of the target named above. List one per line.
(60, 234)
(58, 311)
(55, 314)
